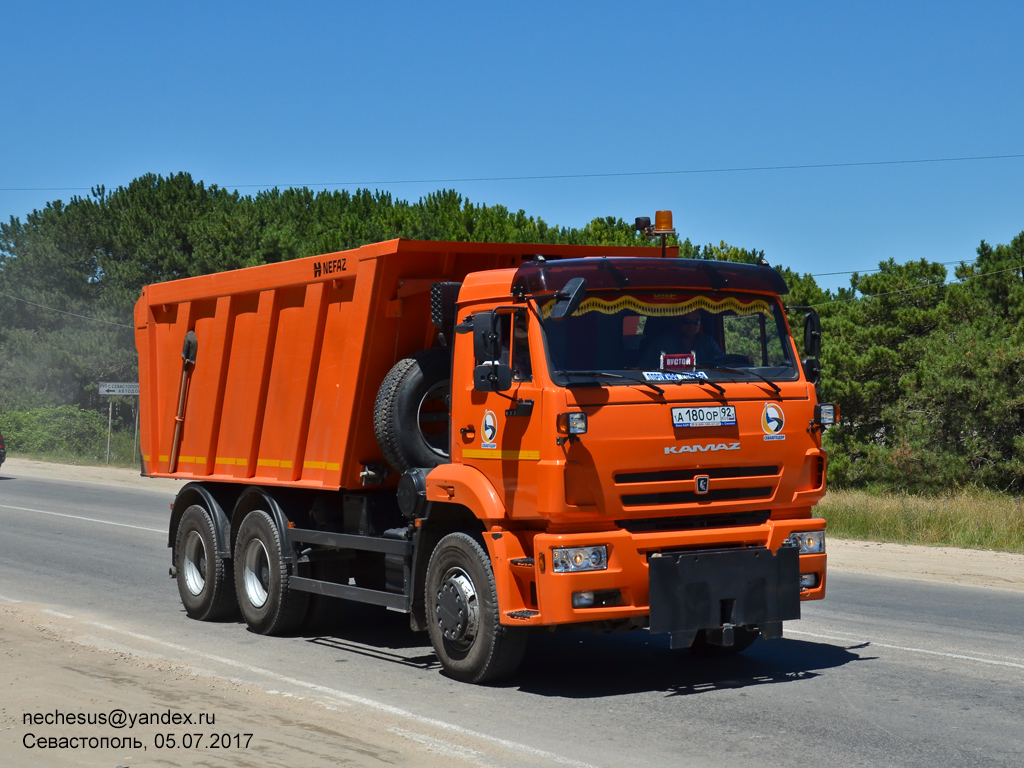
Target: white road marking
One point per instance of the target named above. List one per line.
(58, 613)
(79, 517)
(355, 699)
(440, 746)
(946, 654)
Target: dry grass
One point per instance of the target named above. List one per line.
(968, 519)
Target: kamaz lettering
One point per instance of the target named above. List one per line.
(702, 448)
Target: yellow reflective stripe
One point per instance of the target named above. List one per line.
(232, 462)
(284, 463)
(164, 458)
(328, 465)
(191, 459)
(478, 453)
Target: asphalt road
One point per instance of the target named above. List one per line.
(884, 672)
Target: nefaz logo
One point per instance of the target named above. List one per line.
(702, 448)
(329, 267)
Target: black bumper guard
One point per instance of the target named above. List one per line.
(723, 588)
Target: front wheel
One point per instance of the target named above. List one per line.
(462, 614)
(205, 582)
(268, 606)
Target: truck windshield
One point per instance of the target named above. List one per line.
(669, 336)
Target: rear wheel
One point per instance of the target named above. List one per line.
(462, 614)
(205, 582)
(268, 606)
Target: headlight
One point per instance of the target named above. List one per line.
(826, 414)
(810, 542)
(572, 423)
(573, 559)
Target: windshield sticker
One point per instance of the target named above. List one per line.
(668, 376)
(772, 421)
(489, 429)
(686, 361)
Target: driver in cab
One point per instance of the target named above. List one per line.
(683, 335)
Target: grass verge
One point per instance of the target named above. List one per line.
(967, 518)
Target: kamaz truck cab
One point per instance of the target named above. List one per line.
(641, 476)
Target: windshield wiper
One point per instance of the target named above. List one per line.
(686, 378)
(610, 375)
(765, 379)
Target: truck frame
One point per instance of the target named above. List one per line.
(492, 438)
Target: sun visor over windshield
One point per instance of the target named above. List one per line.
(605, 273)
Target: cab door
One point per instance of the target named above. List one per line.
(499, 432)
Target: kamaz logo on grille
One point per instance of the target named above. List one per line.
(702, 448)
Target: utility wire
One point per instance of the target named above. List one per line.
(920, 287)
(871, 271)
(606, 175)
(61, 311)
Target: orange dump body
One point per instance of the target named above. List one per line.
(290, 357)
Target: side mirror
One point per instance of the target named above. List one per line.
(486, 337)
(492, 377)
(812, 370)
(812, 334)
(568, 299)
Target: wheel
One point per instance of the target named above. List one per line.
(462, 614)
(410, 417)
(205, 582)
(261, 578)
(742, 638)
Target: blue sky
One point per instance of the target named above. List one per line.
(254, 95)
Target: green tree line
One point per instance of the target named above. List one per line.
(927, 366)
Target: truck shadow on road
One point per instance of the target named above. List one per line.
(373, 632)
(578, 665)
(567, 666)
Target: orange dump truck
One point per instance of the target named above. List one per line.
(493, 438)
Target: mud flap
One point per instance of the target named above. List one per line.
(709, 589)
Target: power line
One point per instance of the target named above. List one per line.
(604, 175)
(872, 271)
(920, 287)
(63, 312)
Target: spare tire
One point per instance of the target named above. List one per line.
(411, 417)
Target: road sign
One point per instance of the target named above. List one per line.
(119, 388)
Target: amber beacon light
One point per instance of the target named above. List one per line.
(663, 223)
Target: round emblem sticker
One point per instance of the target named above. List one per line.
(772, 419)
(489, 429)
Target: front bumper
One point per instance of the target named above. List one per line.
(628, 577)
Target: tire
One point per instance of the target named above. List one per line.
(743, 638)
(411, 418)
(462, 614)
(205, 581)
(261, 578)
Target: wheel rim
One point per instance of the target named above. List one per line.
(195, 563)
(433, 419)
(256, 573)
(458, 609)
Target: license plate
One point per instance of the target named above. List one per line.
(704, 416)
